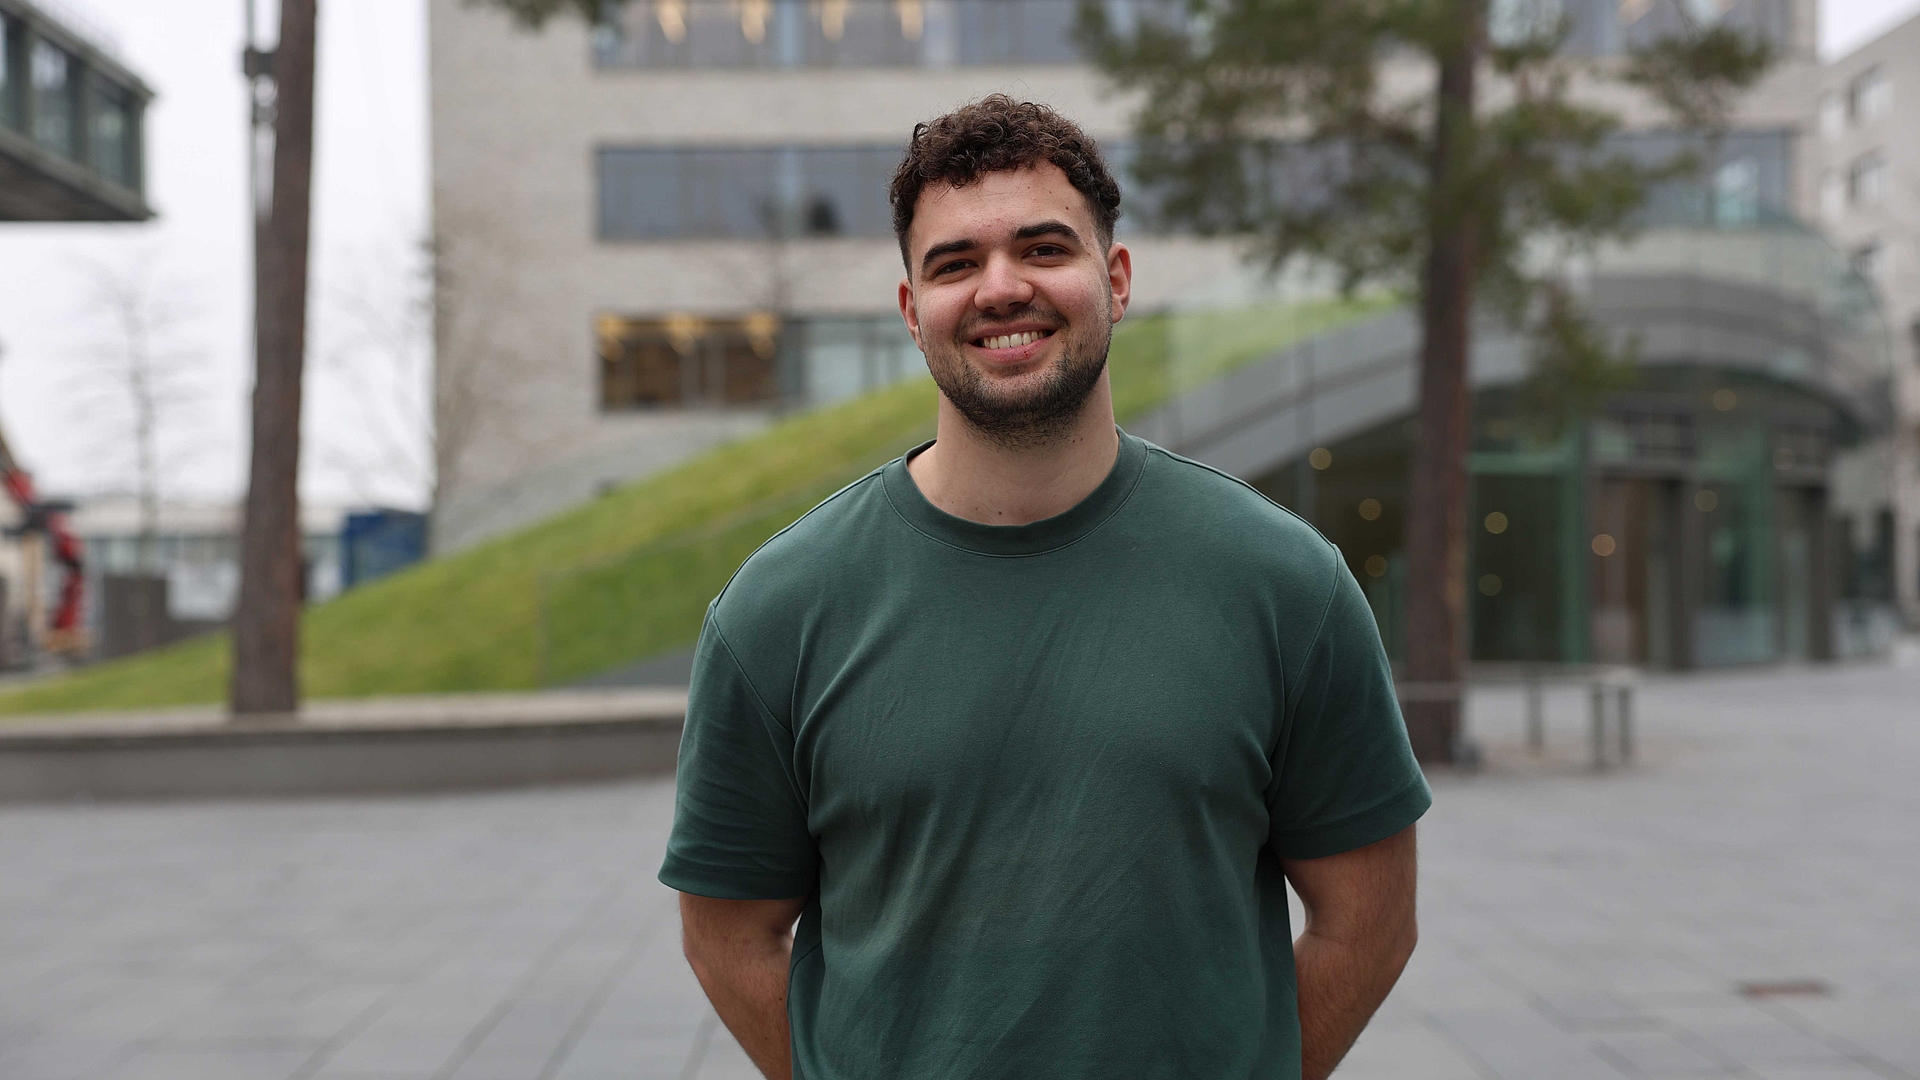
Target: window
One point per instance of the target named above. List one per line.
(1616, 26)
(836, 33)
(686, 360)
(659, 193)
(1833, 196)
(1833, 115)
(53, 111)
(9, 90)
(110, 130)
(1866, 261)
(1869, 95)
(1736, 192)
(1867, 180)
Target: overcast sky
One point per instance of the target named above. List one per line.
(365, 430)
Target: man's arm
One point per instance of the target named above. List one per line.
(740, 950)
(1360, 931)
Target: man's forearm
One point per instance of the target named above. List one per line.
(742, 965)
(1340, 985)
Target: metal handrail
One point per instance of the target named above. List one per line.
(1603, 681)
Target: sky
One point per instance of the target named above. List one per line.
(366, 435)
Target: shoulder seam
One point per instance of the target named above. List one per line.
(733, 658)
(1230, 478)
(789, 527)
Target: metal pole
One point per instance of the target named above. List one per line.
(1536, 714)
(1623, 716)
(1598, 694)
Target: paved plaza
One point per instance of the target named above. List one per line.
(1744, 901)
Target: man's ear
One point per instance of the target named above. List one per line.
(911, 316)
(1120, 277)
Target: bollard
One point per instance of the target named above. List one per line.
(1598, 695)
(1536, 715)
(1623, 716)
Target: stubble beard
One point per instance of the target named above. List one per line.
(1029, 417)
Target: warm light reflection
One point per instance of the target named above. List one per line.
(913, 18)
(753, 19)
(833, 18)
(672, 15)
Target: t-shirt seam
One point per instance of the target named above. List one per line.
(1091, 529)
(794, 525)
(1398, 794)
(677, 860)
(733, 658)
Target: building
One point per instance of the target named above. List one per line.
(191, 554)
(1869, 203)
(661, 232)
(71, 122)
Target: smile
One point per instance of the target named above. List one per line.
(1013, 341)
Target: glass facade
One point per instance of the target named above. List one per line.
(55, 117)
(766, 192)
(835, 33)
(756, 360)
(110, 133)
(1610, 27)
(666, 193)
(9, 82)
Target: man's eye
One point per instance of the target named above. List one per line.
(1048, 251)
(949, 267)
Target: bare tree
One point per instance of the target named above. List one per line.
(379, 356)
(137, 389)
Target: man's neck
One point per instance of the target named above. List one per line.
(971, 476)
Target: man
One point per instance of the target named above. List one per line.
(1029, 727)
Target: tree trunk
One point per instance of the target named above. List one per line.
(1436, 521)
(266, 625)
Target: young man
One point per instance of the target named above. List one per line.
(1029, 727)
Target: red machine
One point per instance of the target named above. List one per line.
(50, 519)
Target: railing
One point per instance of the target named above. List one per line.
(1609, 743)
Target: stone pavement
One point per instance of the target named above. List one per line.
(1575, 926)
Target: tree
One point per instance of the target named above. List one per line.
(266, 622)
(1291, 122)
(138, 385)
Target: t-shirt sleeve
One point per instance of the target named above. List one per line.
(1344, 773)
(739, 821)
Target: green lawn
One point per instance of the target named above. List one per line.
(630, 574)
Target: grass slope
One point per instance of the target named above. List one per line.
(630, 574)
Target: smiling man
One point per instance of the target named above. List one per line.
(1030, 728)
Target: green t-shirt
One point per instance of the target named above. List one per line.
(1035, 780)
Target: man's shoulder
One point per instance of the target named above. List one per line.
(820, 551)
(1200, 499)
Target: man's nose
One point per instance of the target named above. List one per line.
(1002, 285)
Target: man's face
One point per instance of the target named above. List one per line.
(1012, 300)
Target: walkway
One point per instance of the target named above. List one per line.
(1575, 926)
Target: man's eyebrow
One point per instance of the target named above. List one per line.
(941, 251)
(1046, 228)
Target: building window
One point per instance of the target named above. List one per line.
(1833, 196)
(663, 193)
(110, 130)
(1867, 180)
(688, 361)
(1869, 95)
(837, 33)
(1615, 26)
(754, 360)
(9, 88)
(1866, 261)
(1833, 115)
(1736, 192)
(53, 105)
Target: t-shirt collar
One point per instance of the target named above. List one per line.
(1047, 534)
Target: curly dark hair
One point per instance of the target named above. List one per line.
(999, 134)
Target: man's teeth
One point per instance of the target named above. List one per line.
(1012, 341)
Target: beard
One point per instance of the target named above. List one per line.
(1031, 415)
